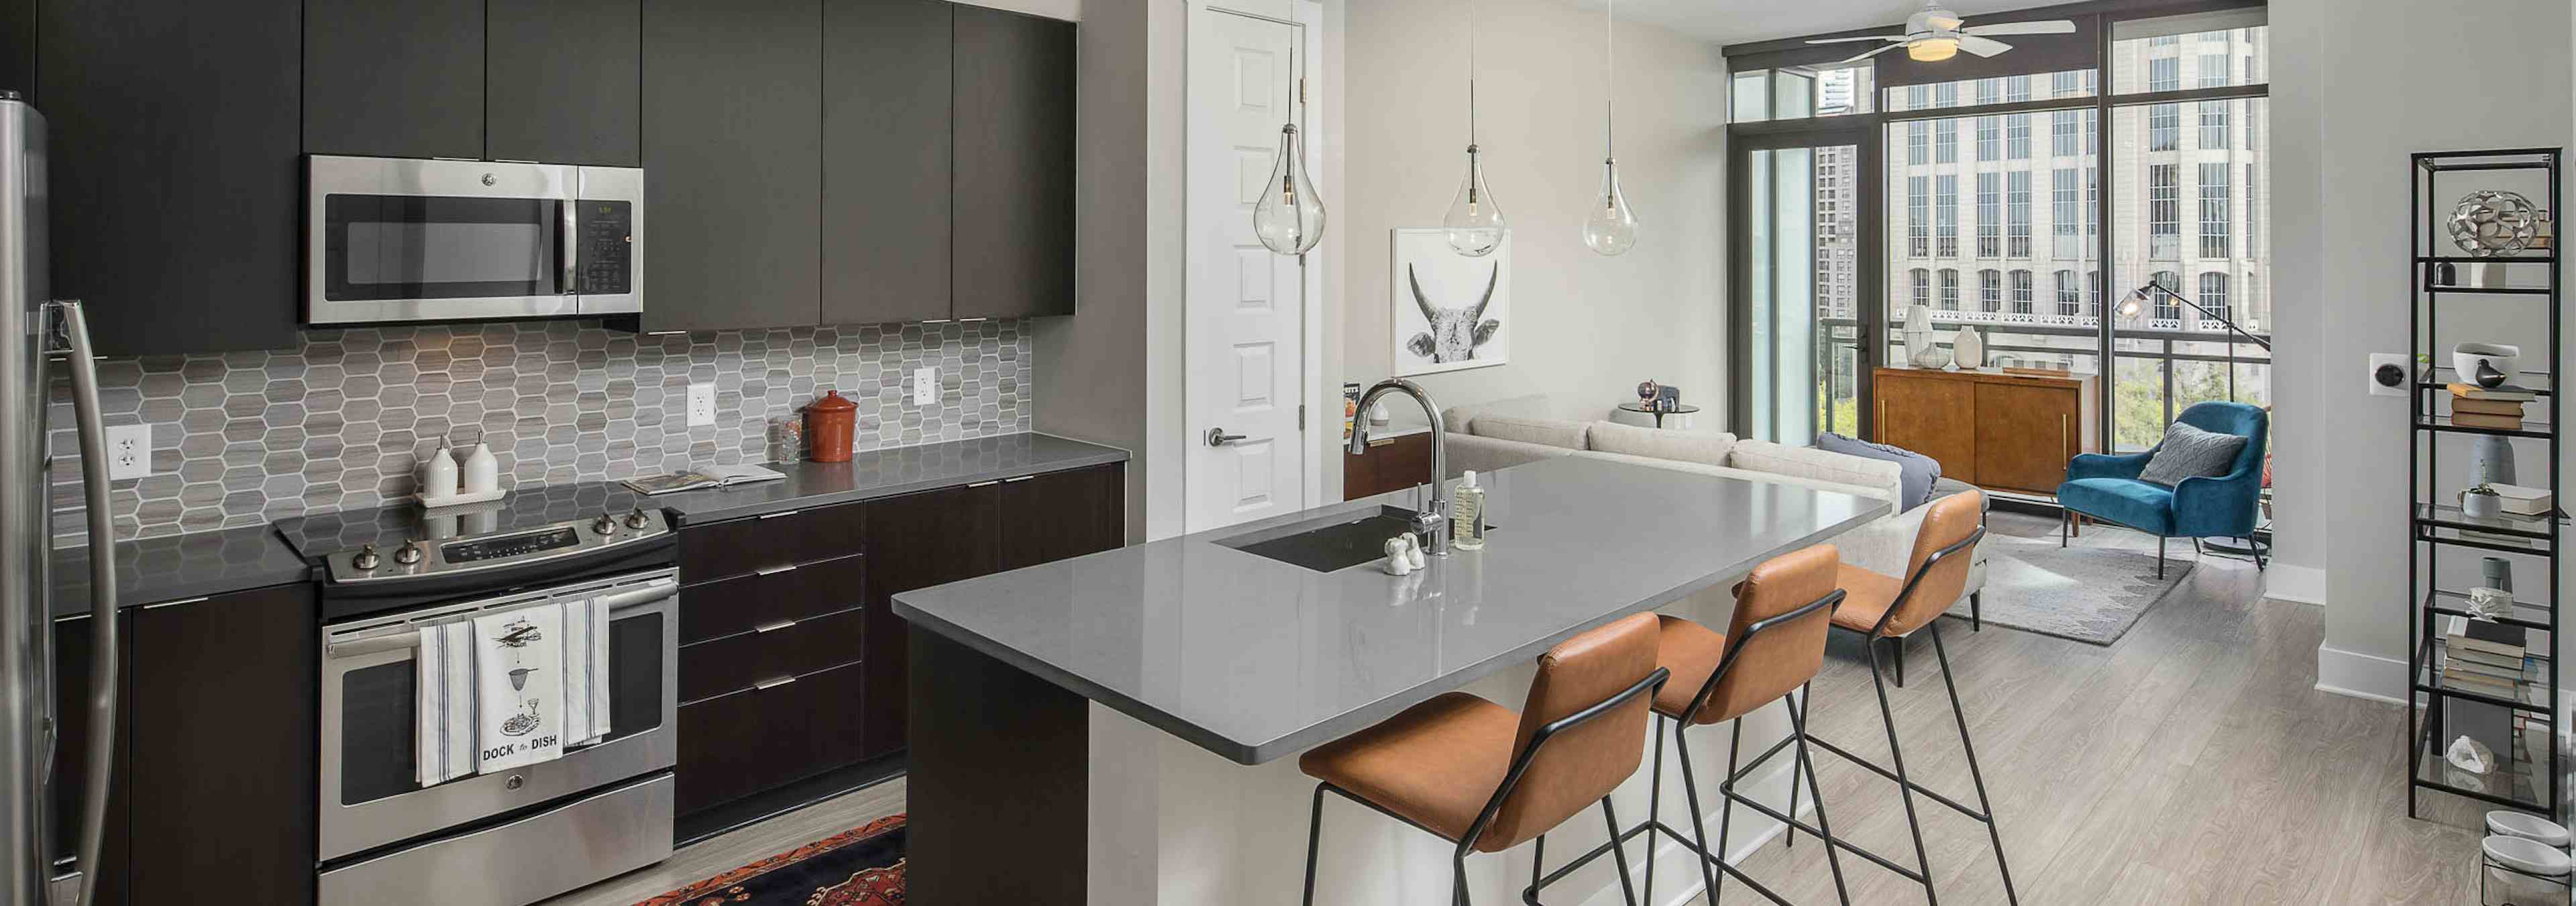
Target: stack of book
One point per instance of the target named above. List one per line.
(2473, 406)
(2479, 665)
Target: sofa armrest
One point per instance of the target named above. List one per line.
(1487, 454)
(2105, 465)
(1680, 465)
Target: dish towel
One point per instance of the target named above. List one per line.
(519, 685)
(444, 710)
(585, 671)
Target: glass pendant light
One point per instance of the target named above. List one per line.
(1474, 222)
(1611, 228)
(1289, 218)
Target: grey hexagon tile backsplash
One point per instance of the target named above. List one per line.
(342, 420)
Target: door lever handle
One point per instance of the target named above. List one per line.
(1216, 437)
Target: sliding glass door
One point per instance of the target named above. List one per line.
(1800, 263)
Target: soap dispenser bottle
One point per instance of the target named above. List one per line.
(1467, 515)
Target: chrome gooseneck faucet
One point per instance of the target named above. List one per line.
(1433, 521)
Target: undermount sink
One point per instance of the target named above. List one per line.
(1330, 543)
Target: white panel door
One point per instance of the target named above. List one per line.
(1246, 311)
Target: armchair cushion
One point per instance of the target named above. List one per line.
(2189, 452)
(2127, 501)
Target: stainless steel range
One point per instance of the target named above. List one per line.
(520, 834)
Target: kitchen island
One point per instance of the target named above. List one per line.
(1115, 728)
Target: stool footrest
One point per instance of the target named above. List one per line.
(1891, 775)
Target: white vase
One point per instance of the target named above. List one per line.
(1918, 331)
(1968, 349)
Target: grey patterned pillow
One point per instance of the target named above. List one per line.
(2189, 452)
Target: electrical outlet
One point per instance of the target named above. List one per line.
(702, 405)
(925, 386)
(2388, 374)
(129, 451)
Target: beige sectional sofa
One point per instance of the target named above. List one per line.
(1493, 436)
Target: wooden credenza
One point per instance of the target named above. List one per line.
(2007, 432)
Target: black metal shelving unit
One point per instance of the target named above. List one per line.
(2531, 779)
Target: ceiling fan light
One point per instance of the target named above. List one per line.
(1933, 50)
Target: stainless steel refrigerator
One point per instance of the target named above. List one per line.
(46, 332)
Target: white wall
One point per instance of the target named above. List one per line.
(1585, 328)
(2358, 85)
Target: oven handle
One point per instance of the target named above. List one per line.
(656, 590)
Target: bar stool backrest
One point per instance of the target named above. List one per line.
(1765, 659)
(1938, 573)
(1580, 763)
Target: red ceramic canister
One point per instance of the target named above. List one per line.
(830, 425)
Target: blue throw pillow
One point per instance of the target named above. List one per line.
(1914, 485)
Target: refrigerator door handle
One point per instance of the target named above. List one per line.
(102, 564)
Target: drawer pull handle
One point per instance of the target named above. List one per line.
(768, 684)
(985, 483)
(775, 570)
(773, 627)
(1021, 478)
(776, 514)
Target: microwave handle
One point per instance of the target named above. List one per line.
(569, 244)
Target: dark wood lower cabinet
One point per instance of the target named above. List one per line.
(1391, 464)
(74, 654)
(749, 741)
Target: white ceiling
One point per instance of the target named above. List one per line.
(1736, 21)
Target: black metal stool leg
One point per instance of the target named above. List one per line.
(1798, 723)
(1790, 840)
(1699, 825)
(1538, 860)
(1904, 785)
(1458, 879)
(1654, 808)
(1619, 851)
(2160, 559)
(1726, 804)
(1314, 832)
(1993, 832)
(1976, 611)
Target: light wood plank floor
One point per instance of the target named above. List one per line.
(2192, 762)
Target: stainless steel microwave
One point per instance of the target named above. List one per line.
(392, 239)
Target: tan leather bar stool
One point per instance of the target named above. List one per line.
(1880, 607)
(1487, 779)
(1773, 646)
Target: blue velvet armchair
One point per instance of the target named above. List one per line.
(2219, 506)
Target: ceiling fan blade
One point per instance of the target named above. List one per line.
(1984, 47)
(1870, 54)
(2057, 27)
(1849, 40)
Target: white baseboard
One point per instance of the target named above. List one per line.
(2363, 676)
(2299, 584)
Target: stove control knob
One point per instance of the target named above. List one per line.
(409, 553)
(367, 558)
(637, 519)
(606, 525)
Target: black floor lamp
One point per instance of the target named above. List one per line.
(2135, 302)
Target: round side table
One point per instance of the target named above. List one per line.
(1684, 409)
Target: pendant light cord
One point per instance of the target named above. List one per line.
(1471, 75)
(1609, 81)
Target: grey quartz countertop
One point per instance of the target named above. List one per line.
(177, 567)
(1254, 659)
(884, 473)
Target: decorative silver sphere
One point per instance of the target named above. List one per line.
(2491, 222)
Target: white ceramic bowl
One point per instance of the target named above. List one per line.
(2466, 356)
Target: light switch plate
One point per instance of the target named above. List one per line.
(129, 451)
(925, 385)
(702, 405)
(2387, 374)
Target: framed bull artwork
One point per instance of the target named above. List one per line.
(1452, 312)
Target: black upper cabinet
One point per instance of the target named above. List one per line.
(561, 82)
(1014, 165)
(393, 78)
(732, 155)
(885, 160)
(174, 175)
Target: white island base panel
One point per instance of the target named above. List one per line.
(1173, 824)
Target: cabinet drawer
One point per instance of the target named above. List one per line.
(737, 662)
(738, 546)
(740, 744)
(795, 592)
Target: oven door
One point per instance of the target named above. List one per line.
(369, 794)
(427, 240)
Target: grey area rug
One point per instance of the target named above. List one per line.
(2088, 594)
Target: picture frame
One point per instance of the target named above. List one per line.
(1450, 312)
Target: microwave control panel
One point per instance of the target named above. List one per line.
(606, 246)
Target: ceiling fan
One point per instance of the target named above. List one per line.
(1937, 34)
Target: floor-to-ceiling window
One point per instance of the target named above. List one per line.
(2020, 193)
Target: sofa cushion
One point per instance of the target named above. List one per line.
(1554, 433)
(1917, 471)
(1884, 478)
(1707, 448)
(2189, 452)
(1462, 419)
